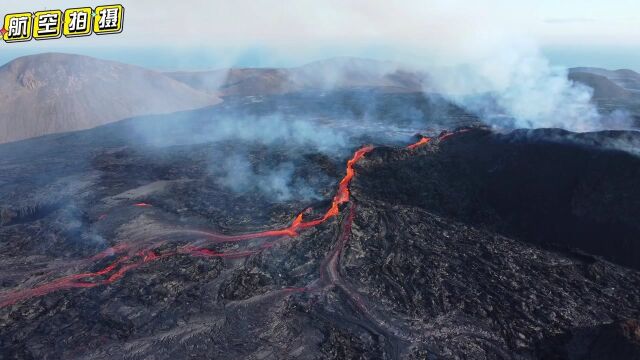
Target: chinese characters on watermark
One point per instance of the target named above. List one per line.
(52, 24)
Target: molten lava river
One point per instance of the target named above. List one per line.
(129, 256)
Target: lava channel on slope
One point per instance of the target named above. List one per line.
(128, 257)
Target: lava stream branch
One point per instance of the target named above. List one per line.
(330, 270)
(423, 141)
(442, 137)
(127, 262)
(130, 257)
(112, 272)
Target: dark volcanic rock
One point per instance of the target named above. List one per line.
(544, 187)
(617, 340)
(483, 246)
(472, 292)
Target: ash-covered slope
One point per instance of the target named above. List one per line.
(52, 93)
(135, 255)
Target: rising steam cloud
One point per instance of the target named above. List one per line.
(269, 129)
(479, 57)
(278, 183)
(517, 87)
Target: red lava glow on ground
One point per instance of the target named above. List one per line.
(118, 268)
(447, 134)
(423, 141)
(142, 204)
(442, 137)
(130, 258)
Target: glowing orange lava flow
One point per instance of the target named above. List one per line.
(442, 137)
(340, 198)
(127, 262)
(423, 141)
(109, 274)
(132, 257)
(447, 134)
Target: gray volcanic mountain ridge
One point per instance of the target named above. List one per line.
(336, 73)
(52, 93)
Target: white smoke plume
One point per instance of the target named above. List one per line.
(268, 129)
(278, 183)
(520, 90)
(515, 86)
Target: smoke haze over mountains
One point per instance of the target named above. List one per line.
(487, 57)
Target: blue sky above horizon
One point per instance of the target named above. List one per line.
(199, 34)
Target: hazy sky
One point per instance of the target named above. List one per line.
(206, 33)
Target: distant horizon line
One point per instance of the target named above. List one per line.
(141, 58)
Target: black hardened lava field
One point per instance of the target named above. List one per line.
(449, 242)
